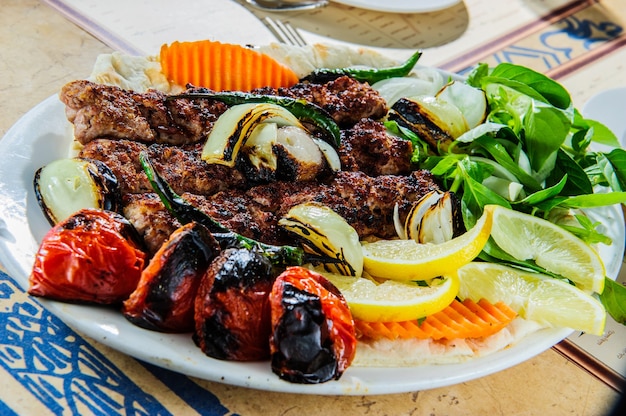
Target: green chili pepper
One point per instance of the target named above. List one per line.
(186, 213)
(300, 108)
(369, 75)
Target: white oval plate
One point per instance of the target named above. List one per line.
(401, 6)
(609, 108)
(43, 135)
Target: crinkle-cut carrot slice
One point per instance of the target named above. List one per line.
(222, 66)
(466, 319)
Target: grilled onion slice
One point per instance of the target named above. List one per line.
(471, 102)
(286, 153)
(326, 233)
(234, 127)
(436, 123)
(434, 219)
(273, 141)
(65, 186)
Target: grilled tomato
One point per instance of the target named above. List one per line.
(94, 256)
(164, 298)
(313, 338)
(232, 312)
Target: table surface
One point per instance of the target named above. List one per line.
(41, 50)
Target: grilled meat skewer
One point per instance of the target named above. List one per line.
(366, 147)
(365, 202)
(103, 111)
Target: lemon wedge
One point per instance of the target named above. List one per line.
(409, 260)
(526, 237)
(393, 301)
(533, 296)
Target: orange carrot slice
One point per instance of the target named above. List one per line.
(222, 66)
(465, 319)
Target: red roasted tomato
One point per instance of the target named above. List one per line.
(313, 338)
(164, 298)
(90, 257)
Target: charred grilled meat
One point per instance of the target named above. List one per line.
(101, 111)
(365, 202)
(180, 166)
(366, 147)
(232, 311)
(345, 99)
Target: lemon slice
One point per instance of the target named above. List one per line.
(393, 301)
(533, 296)
(409, 260)
(526, 237)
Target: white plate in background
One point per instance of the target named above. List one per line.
(401, 6)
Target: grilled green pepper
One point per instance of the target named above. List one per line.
(300, 108)
(369, 75)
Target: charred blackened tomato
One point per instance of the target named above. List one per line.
(94, 256)
(313, 338)
(232, 311)
(164, 298)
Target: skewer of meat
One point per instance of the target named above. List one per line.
(366, 202)
(366, 147)
(103, 111)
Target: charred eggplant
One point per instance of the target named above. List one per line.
(64, 186)
(164, 298)
(232, 311)
(313, 338)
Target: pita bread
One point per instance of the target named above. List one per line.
(305, 59)
(140, 73)
(136, 73)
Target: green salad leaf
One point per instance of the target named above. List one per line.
(614, 300)
(534, 153)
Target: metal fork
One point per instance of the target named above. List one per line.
(284, 32)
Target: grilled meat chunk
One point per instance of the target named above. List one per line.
(368, 148)
(103, 111)
(150, 218)
(99, 111)
(181, 166)
(345, 99)
(365, 202)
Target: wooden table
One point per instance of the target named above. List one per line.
(41, 51)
